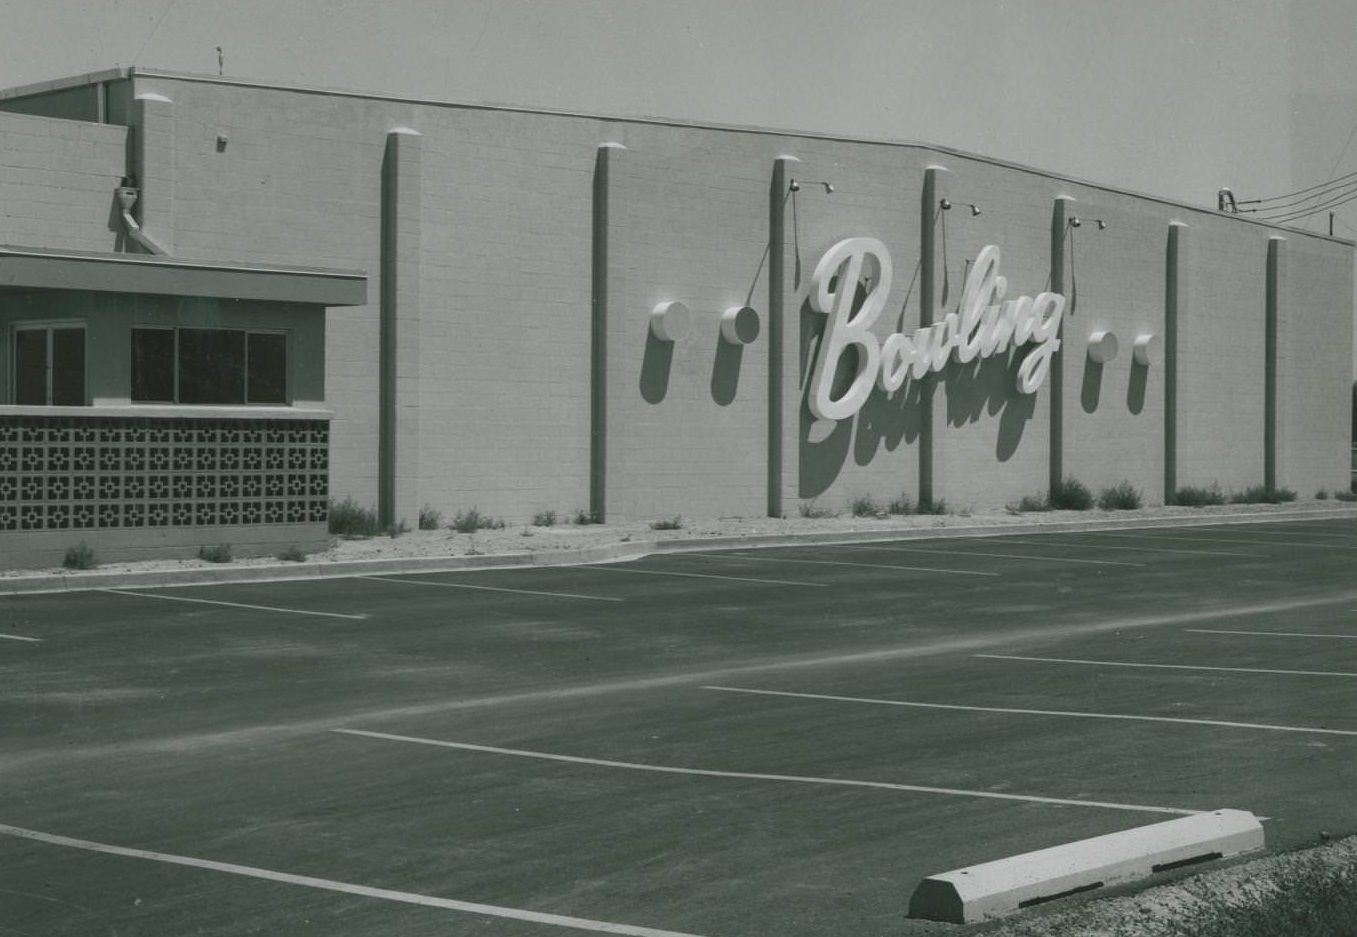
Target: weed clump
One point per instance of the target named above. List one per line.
(291, 554)
(864, 506)
(348, 518)
(813, 511)
(1196, 496)
(1071, 495)
(1120, 497)
(544, 519)
(470, 521)
(931, 506)
(1262, 494)
(1029, 504)
(79, 556)
(668, 523)
(900, 505)
(583, 517)
(429, 518)
(221, 553)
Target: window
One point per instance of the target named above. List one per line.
(153, 365)
(49, 365)
(208, 366)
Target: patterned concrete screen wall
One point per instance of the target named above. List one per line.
(77, 473)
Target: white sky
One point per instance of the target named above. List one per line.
(1160, 96)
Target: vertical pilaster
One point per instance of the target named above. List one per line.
(608, 154)
(929, 205)
(153, 166)
(1276, 250)
(1060, 228)
(1175, 300)
(777, 319)
(398, 378)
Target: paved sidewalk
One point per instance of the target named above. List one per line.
(444, 550)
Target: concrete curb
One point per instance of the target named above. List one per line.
(631, 550)
(1005, 886)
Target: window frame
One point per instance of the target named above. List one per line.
(48, 326)
(244, 334)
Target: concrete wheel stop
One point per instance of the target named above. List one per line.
(994, 889)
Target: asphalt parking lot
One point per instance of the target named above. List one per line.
(749, 743)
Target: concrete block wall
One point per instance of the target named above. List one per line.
(1116, 280)
(1221, 360)
(687, 415)
(876, 194)
(57, 182)
(991, 443)
(505, 290)
(1313, 401)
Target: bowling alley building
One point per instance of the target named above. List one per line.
(225, 304)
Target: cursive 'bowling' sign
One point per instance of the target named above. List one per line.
(984, 324)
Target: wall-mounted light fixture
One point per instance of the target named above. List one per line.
(1148, 349)
(1077, 222)
(1102, 347)
(740, 325)
(946, 205)
(670, 321)
(795, 185)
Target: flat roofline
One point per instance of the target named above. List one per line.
(62, 84)
(45, 269)
(134, 72)
(160, 260)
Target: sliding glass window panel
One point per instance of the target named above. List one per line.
(211, 366)
(30, 367)
(267, 355)
(153, 365)
(68, 367)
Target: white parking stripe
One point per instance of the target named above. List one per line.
(467, 585)
(257, 608)
(1108, 546)
(783, 559)
(1291, 533)
(19, 637)
(1302, 528)
(1122, 663)
(1002, 556)
(1037, 712)
(386, 894)
(658, 572)
(1274, 634)
(751, 776)
(1195, 539)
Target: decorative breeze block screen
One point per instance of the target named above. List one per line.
(64, 473)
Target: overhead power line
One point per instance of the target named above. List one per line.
(1334, 199)
(1312, 210)
(1294, 200)
(1322, 185)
